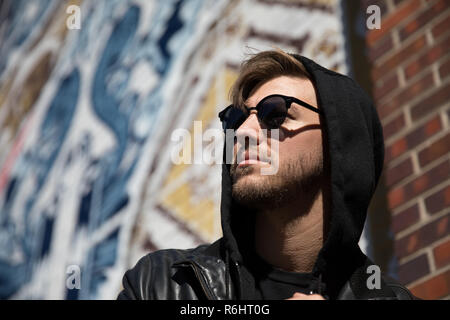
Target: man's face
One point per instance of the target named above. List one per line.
(300, 159)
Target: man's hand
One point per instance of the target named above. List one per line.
(302, 296)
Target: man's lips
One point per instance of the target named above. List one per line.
(249, 159)
(249, 162)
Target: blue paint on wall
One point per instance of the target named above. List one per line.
(106, 176)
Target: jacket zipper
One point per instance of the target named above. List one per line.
(202, 281)
(199, 277)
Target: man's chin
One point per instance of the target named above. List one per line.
(251, 189)
(249, 180)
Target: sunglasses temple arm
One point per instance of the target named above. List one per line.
(308, 106)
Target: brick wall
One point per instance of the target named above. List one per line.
(410, 58)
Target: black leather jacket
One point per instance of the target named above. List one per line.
(200, 273)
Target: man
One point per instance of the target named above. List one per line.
(293, 234)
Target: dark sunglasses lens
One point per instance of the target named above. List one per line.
(233, 118)
(272, 112)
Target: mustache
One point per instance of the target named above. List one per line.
(252, 153)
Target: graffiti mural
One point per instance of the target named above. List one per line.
(86, 117)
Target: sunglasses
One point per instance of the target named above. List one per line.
(271, 111)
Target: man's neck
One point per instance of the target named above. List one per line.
(291, 237)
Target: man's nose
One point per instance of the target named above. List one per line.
(249, 131)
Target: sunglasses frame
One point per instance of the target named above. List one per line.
(288, 100)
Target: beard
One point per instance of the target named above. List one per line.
(295, 179)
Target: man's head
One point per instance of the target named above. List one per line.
(300, 147)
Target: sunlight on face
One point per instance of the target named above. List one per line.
(299, 147)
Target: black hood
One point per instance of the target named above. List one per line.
(356, 153)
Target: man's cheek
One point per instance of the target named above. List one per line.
(272, 153)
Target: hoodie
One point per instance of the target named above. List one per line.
(356, 152)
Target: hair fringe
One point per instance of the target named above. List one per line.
(261, 67)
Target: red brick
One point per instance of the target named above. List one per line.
(399, 172)
(441, 255)
(392, 20)
(412, 139)
(436, 150)
(434, 288)
(444, 69)
(381, 48)
(430, 102)
(424, 132)
(422, 237)
(427, 180)
(427, 58)
(420, 85)
(394, 126)
(386, 86)
(393, 62)
(438, 201)
(414, 269)
(405, 218)
(440, 28)
(397, 148)
(396, 197)
(422, 19)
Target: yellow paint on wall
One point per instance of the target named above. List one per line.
(199, 215)
(5, 87)
(202, 215)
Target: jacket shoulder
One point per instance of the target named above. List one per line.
(139, 282)
(401, 292)
(368, 283)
